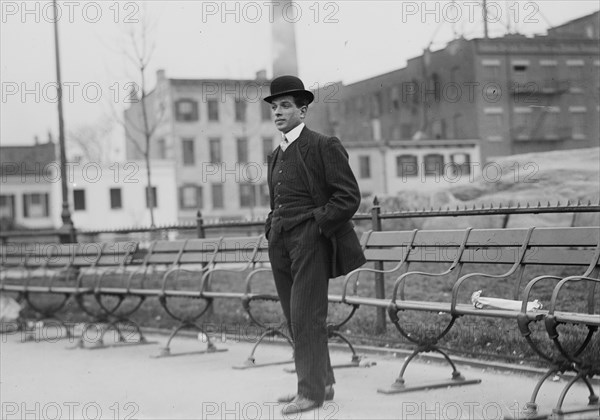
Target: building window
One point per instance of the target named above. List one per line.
(376, 105)
(364, 163)
(115, 198)
(376, 129)
(242, 150)
(186, 110)
(457, 126)
(161, 149)
(550, 118)
(438, 129)
(35, 205)
(240, 110)
(576, 74)
(519, 73)
(359, 105)
(78, 200)
(7, 206)
(395, 98)
(217, 196)
(187, 146)
(435, 87)
(190, 197)
(154, 198)
(406, 131)
(522, 125)
(215, 150)
(491, 71)
(267, 147)
(548, 70)
(578, 125)
(494, 124)
(454, 71)
(414, 85)
(213, 110)
(265, 111)
(461, 163)
(247, 195)
(434, 164)
(406, 165)
(263, 195)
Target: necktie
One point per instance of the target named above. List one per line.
(285, 143)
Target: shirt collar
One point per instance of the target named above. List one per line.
(293, 134)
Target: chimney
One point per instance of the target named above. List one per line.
(160, 75)
(36, 140)
(283, 40)
(261, 75)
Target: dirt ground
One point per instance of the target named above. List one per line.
(47, 380)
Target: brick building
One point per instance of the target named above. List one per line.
(516, 94)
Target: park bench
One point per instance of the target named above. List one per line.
(229, 254)
(569, 359)
(36, 270)
(545, 249)
(186, 269)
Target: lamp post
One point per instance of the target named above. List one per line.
(67, 230)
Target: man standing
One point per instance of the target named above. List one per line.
(314, 195)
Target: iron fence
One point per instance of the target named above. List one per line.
(202, 227)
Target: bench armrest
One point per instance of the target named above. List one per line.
(560, 285)
(250, 276)
(401, 281)
(355, 273)
(206, 276)
(530, 285)
(177, 270)
(512, 269)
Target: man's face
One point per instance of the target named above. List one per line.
(286, 114)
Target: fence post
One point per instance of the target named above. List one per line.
(380, 326)
(200, 225)
(67, 234)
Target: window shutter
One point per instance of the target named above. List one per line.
(25, 205)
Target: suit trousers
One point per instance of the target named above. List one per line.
(301, 263)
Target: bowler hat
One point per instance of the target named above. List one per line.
(288, 85)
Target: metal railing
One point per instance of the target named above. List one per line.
(376, 215)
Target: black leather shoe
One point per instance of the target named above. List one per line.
(329, 394)
(299, 405)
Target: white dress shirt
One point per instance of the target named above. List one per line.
(290, 136)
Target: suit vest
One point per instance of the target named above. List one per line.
(292, 200)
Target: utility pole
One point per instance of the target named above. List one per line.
(67, 230)
(485, 20)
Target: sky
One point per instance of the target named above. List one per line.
(336, 41)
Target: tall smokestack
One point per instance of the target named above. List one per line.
(283, 37)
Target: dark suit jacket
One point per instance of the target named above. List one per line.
(327, 175)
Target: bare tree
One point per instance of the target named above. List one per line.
(138, 48)
(92, 141)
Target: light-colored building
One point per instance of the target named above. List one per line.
(398, 166)
(100, 197)
(29, 178)
(218, 132)
(114, 196)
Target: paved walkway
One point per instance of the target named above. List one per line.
(45, 380)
